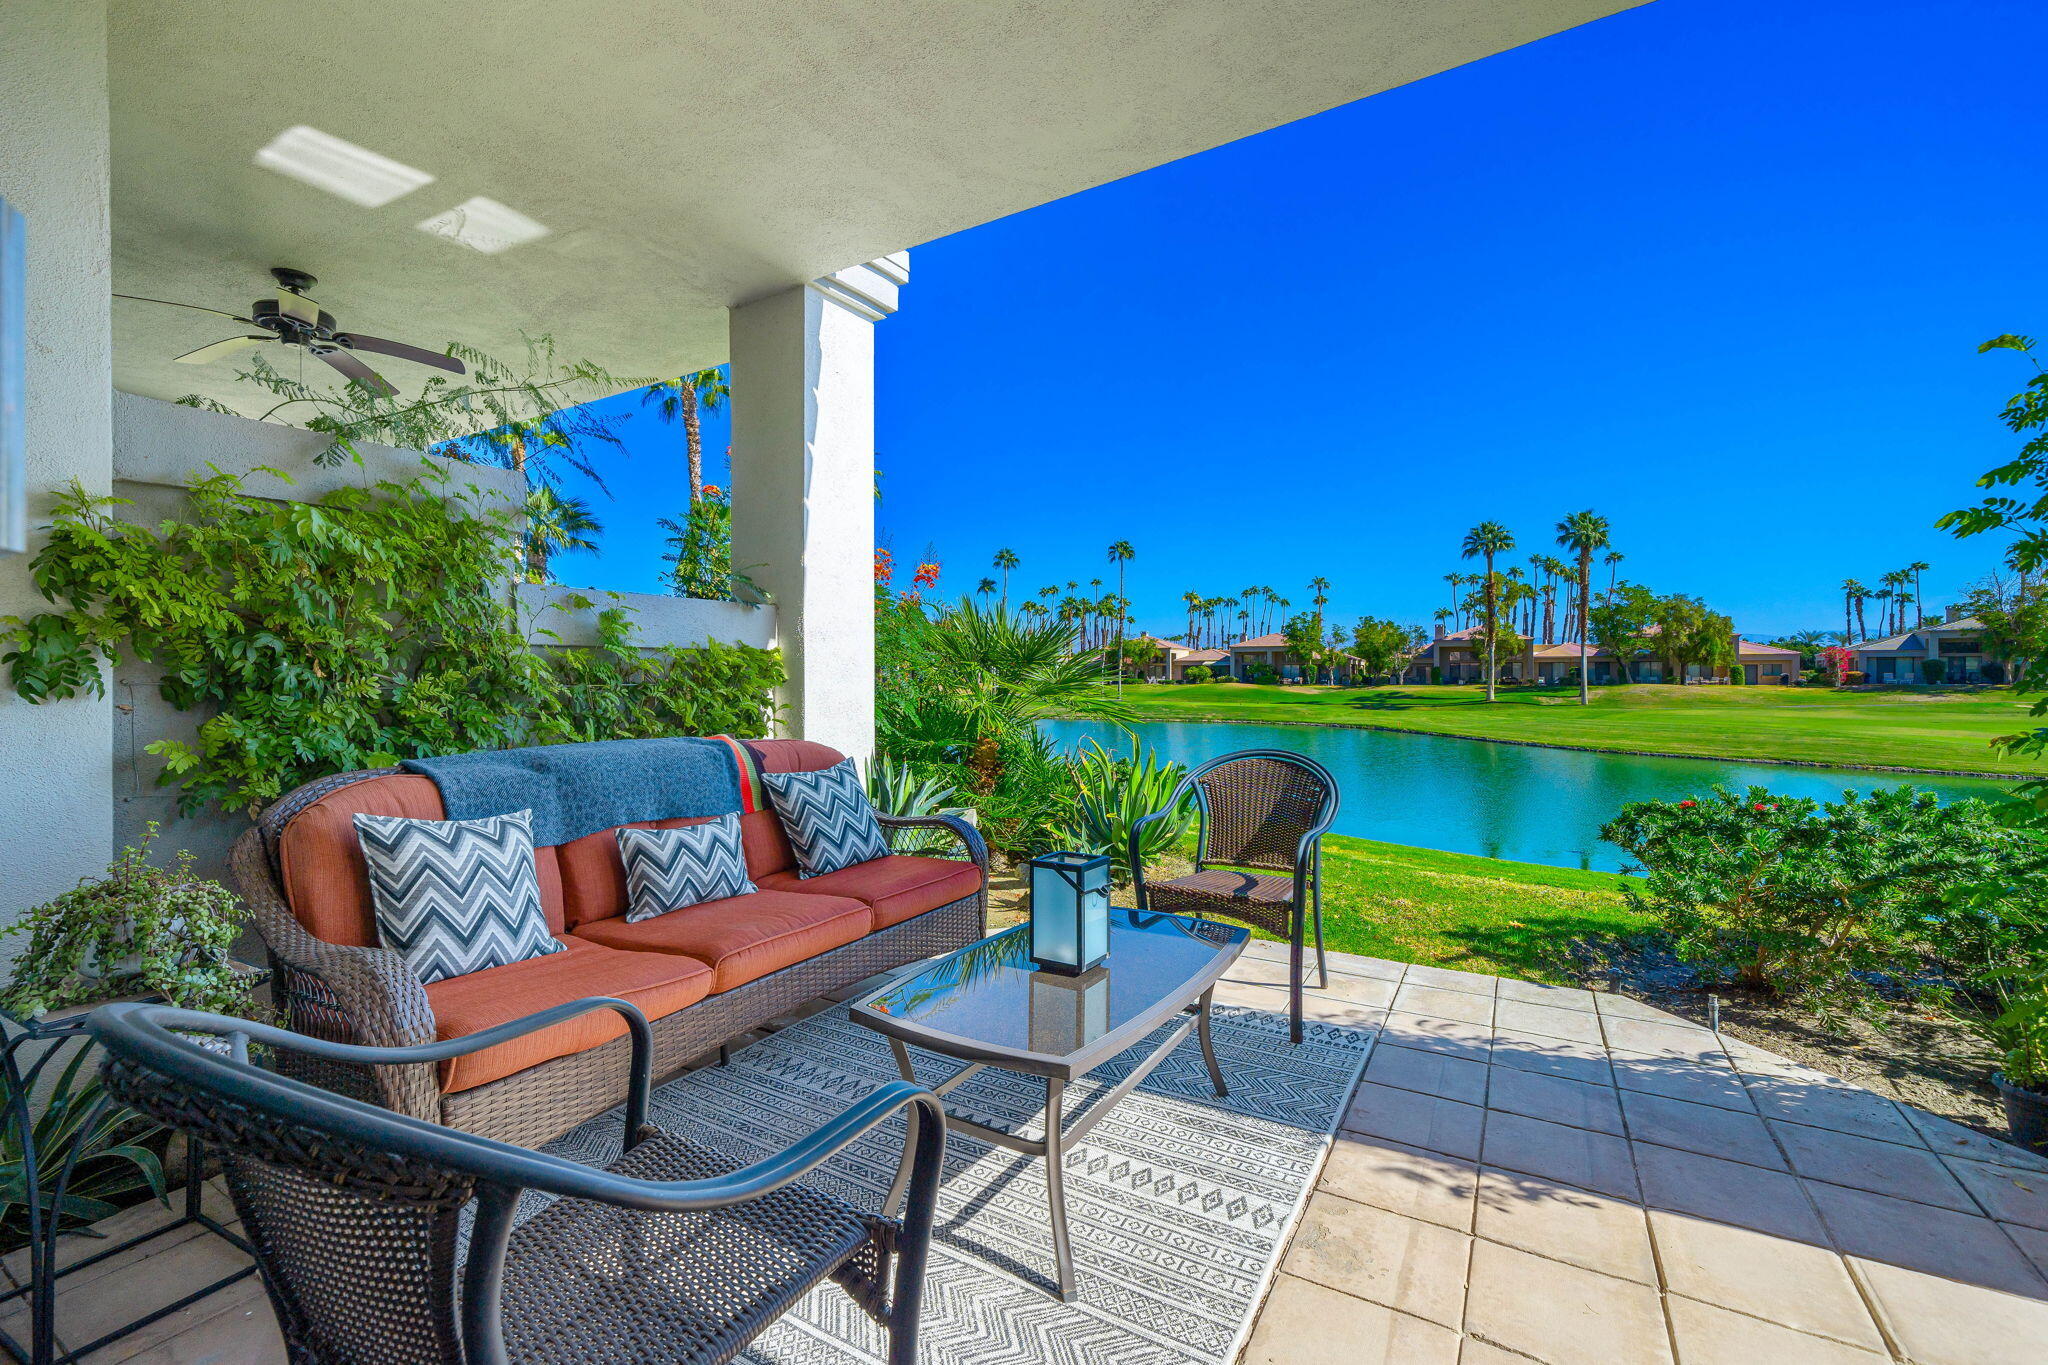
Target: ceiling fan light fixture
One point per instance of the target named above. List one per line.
(484, 225)
(340, 167)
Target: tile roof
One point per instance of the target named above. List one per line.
(1750, 649)
(1202, 656)
(1262, 642)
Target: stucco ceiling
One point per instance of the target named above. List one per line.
(681, 157)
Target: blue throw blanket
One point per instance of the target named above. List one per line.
(579, 789)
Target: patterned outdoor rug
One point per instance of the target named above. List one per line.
(1178, 1202)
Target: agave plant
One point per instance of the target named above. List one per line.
(896, 789)
(1114, 794)
(110, 1148)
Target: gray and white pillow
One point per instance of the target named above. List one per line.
(670, 869)
(827, 815)
(455, 896)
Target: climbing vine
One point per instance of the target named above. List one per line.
(369, 626)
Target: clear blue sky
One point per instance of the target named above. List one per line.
(1717, 270)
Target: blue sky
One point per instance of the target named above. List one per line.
(1717, 270)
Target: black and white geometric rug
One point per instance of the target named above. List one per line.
(1178, 1202)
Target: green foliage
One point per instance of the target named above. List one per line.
(116, 1157)
(1198, 673)
(1114, 794)
(700, 549)
(1736, 675)
(321, 637)
(1815, 899)
(1617, 621)
(1690, 632)
(898, 789)
(1382, 645)
(140, 928)
(2020, 1030)
(1304, 636)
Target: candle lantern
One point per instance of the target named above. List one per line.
(1069, 911)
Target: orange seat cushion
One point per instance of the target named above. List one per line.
(659, 983)
(899, 887)
(743, 938)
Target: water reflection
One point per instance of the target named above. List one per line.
(1500, 800)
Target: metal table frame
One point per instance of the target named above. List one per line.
(1193, 999)
(44, 1229)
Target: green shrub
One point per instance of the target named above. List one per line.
(1112, 794)
(1198, 673)
(1737, 676)
(322, 637)
(1933, 671)
(1436, 675)
(2020, 1029)
(1818, 899)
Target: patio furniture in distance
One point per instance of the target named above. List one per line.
(1260, 809)
(703, 975)
(986, 1005)
(672, 1254)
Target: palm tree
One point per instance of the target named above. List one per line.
(1583, 533)
(1916, 568)
(1456, 581)
(1484, 541)
(556, 525)
(1006, 560)
(1513, 573)
(1852, 597)
(1611, 559)
(1120, 554)
(686, 397)
(985, 587)
(1193, 602)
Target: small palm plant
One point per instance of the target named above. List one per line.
(897, 789)
(112, 1148)
(1114, 794)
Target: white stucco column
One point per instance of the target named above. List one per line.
(56, 817)
(803, 488)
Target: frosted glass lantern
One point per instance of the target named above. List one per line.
(1069, 911)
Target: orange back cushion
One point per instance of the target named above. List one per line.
(328, 887)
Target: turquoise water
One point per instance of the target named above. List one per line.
(1499, 800)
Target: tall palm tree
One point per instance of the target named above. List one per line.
(1484, 541)
(1006, 560)
(1916, 568)
(1193, 602)
(1120, 554)
(1583, 534)
(556, 525)
(1612, 559)
(1852, 594)
(1455, 581)
(1512, 593)
(985, 587)
(1320, 586)
(686, 398)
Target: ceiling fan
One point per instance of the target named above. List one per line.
(295, 320)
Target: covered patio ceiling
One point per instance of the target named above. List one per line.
(618, 174)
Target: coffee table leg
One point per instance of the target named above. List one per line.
(902, 1181)
(1055, 1186)
(1209, 1045)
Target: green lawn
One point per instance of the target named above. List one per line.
(1907, 728)
(1456, 910)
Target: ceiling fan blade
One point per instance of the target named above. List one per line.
(417, 354)
(232, 317)
(219, 349)
(298, 306)
(358, 371)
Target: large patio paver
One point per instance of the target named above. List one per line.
(1552, 1056)
(1934, 1241)
(1547, 1021)
(1706, 1335)
(1439, 1003)
(1574, 1156)
(1382, 1257)
(1427, 1073)
(1432, 1033)
(1404, 1180)
(1795, 1283)
(1560, 1313)
(1938, 1321)
(1694, 1082)
(2007, 1193)
(1713, 1131)
(1430, 1122)
(1555, 1098)
(1868, 1164)
(1304, 1323)
(1580, 1227)
(1729, 1191)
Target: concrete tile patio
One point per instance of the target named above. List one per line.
(1548, 1174)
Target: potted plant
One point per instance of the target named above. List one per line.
(2020, 1033)
(138, 929)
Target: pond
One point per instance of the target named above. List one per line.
(1514, 801)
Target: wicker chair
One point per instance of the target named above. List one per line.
(356, 1213)
(1258, 809)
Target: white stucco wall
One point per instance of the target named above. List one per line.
(55, 825)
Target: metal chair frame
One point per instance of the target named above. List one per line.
(148, 1036)
(1307, 862)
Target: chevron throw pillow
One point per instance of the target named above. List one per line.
(829, 820)
(669, 869)
(455, 896)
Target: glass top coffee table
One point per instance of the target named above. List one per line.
(986, 1005)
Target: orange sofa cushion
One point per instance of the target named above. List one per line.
(899, 887)
(743, 938)
(659, 983)
(320, 859)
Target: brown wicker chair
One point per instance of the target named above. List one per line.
(673, 1254)
(1257, 809)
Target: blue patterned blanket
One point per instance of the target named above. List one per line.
(579, 789)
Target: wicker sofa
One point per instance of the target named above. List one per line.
(702, 975)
